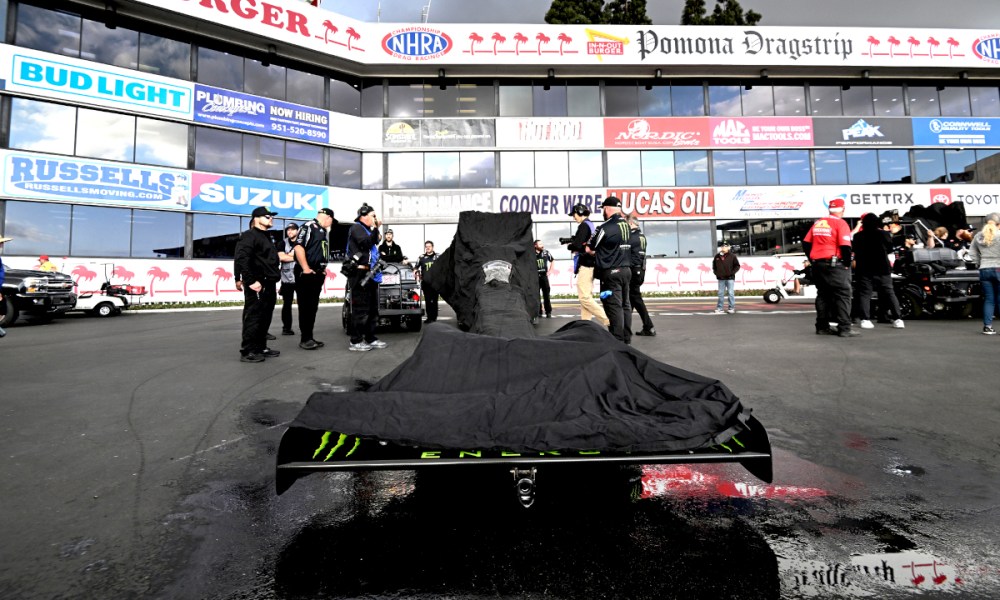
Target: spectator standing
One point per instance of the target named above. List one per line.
(257, 262)
(583, 265)
(985, 252)
(3, 274)
(545, 261)
(44, 264)
(312, 254)
(638, 243)
(431, 295)
(725, 265)
(613, 253)
(362, 243)
(828, 246)
(390, 250)
(872, 247)
(287, 258)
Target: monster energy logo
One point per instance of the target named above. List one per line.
(341, 443)
(624, 230)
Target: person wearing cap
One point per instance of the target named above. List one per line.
(390, 250)
(725, 265)
(44, 264)
(3, 275)
(583, 265)
(257, 262)
(828, 246)
(985, 252)
(872, 245)
(612, 250)
(287, 258)
(312, 254)
(544, 260)
(362, 246)
(431, 296)
(638, 243)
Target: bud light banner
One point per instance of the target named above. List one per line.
(863, 131)
(956, 132)
(234, 110)
(211, 192)
(42, 177)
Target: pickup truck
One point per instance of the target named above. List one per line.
(38, 294)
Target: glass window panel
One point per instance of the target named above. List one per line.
(728, 167)
(661, 242)
(694, 239)
(220, 69)
(657, 167)
(624, 168)
(737, 233)
(476, 100)
(37, 228)
(955, 101)
(762, 167)
(372, 99)
(517, 169)
(259, 80)
(157, 234)
(961, 165)
(930, 166)
(862, 166)
(724, 101)
(218, 151)
(857, 100)
(985, 101)
(888, 100)
(441, 170)
(551, 169)
(263, 157)
(304, 88)
(691, 167)
(372, 171)
(478, 169)
(118, 47)
(99, 231)
(654, 100)
(789, 100)
(586, 168)
(793, 167)
(105, 135)
(303, 162)
(345, 168)
(583, 99)
(687, 100)
(164, 56)
(893, 166)
(831, 167)
(621, 98)
(924, 101)
(432, 101)
(987, 166)
(793, 231)
(406, 171)
(758, 100)
(346, 98)
(515, 100)
(42, 127)
(549, 102)
(824, 100)
(215, 236)
(48, 30)
(765, 237)
(161, 143)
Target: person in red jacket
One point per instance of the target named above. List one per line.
(828, 246)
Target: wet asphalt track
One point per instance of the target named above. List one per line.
(138, 459)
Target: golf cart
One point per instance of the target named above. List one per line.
(110, 300)
(780, 292)
(399, 299)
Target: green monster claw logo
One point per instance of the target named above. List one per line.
(738, 443)
(325, 441)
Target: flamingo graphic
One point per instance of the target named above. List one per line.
(892, 42)
(767, 269)
(744, 269)
(328, 28)
(189, 273)
(952, 44)
(913, 42)
(352, 35)
(682, 270)
(476, 40)
(123, 273)
(519, 38)
(497, 38)
(660, 270)
(703, 269)
(220, 274)
(872, 42)
(83, 274)
(156, 274)
(330, 276)
(542, 39)
(933, 43)
(563, 39)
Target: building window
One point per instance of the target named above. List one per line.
(548, 99)
(517, 169)
(862, 166)
(372, 99)
(345, 97)
(888, 101)
(762, 167)
(654, 100)
(259, 80)
(304, 88)
(793, 167)
(929, 165)
(961, 165)
(406, 171)
(406, 100)
(441, 170)
(345, 168)
(985, 101)
(988, 166)
(215, 236)
(515, 100)
(304, 163)
(583, 99)
(728, 167)
(691, 167)
(157, 234)
(263, 157)
(831, 167)
(164, 56)
(657, 168)
(161, 143)
(621, 98)
(955, 101)
(924, 101)
(105, 135)
(789, 100)
(694, 240)
(218, 151)
(551, 169)
(825, 101)
(724, 101)
(99, 231)
(758, 100)
(48, 30)
(687, 100)
(37, 228)
(478, 169)
(372, 171)
(220, 69)
(857, 100)
(946, 166)
(586, 168)
(118, 47)
(661, 242)
(894, 166)
(624, 168)
(42, 126)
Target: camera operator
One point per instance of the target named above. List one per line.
(362, 253)
(583, 264)
(612, 249)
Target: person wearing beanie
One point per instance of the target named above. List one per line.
(985, 252)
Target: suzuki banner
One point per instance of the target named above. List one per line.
(956, 132)
(212, 192)
(866, 132)
(225, 108)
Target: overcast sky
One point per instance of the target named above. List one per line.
(973, 14)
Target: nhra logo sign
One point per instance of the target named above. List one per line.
(988, 48)
(417, 43)
(940, 196)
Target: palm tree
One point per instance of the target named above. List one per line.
(83, 274)
(660, 270)
(520, 39)
(497, 38)
(476, 40)
(352, 35)
(768, 269)
(542, 39)
(330, 276)
(872, 42)
(892, 42)
(328, 28)
(703, 269)
(745, 269)
(563, 39)
(912, 42)
(933, 43)
(156, 274)
(953, 43)
(682, 270)
(123, 273)
(189, 273)
(220, 274)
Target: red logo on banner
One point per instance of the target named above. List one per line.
(668, 202)
(940, 195)
(655, 132)
(750, 132)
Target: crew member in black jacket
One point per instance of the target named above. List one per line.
(583, 265)
(390, 250)
(613, 252)
(362, 247)
(257, 263)
(638, 243)
(312, 254)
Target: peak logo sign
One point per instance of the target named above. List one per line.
(417, 43)
(731, 132)
(988, 48)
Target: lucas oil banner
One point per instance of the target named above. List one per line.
(260, 115)
(241, 195)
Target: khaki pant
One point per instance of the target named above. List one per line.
(585, 292)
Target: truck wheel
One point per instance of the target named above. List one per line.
(9, 312)
(104, 309)
(909, 306)
(772, 297)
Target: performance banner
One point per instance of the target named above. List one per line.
(212, 192)
(225, 108)
(419, 206)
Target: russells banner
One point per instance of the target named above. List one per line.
(241, 195)
(226, 108)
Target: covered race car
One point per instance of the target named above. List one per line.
(503, 397)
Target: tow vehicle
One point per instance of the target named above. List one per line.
(399, 299)
(38, 294)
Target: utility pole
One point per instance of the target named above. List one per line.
(425, 12)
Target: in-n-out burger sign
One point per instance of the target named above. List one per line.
(263, 12)
(753, 43)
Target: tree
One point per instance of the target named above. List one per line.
(727, 12)
(626, 12)
(574, 12)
